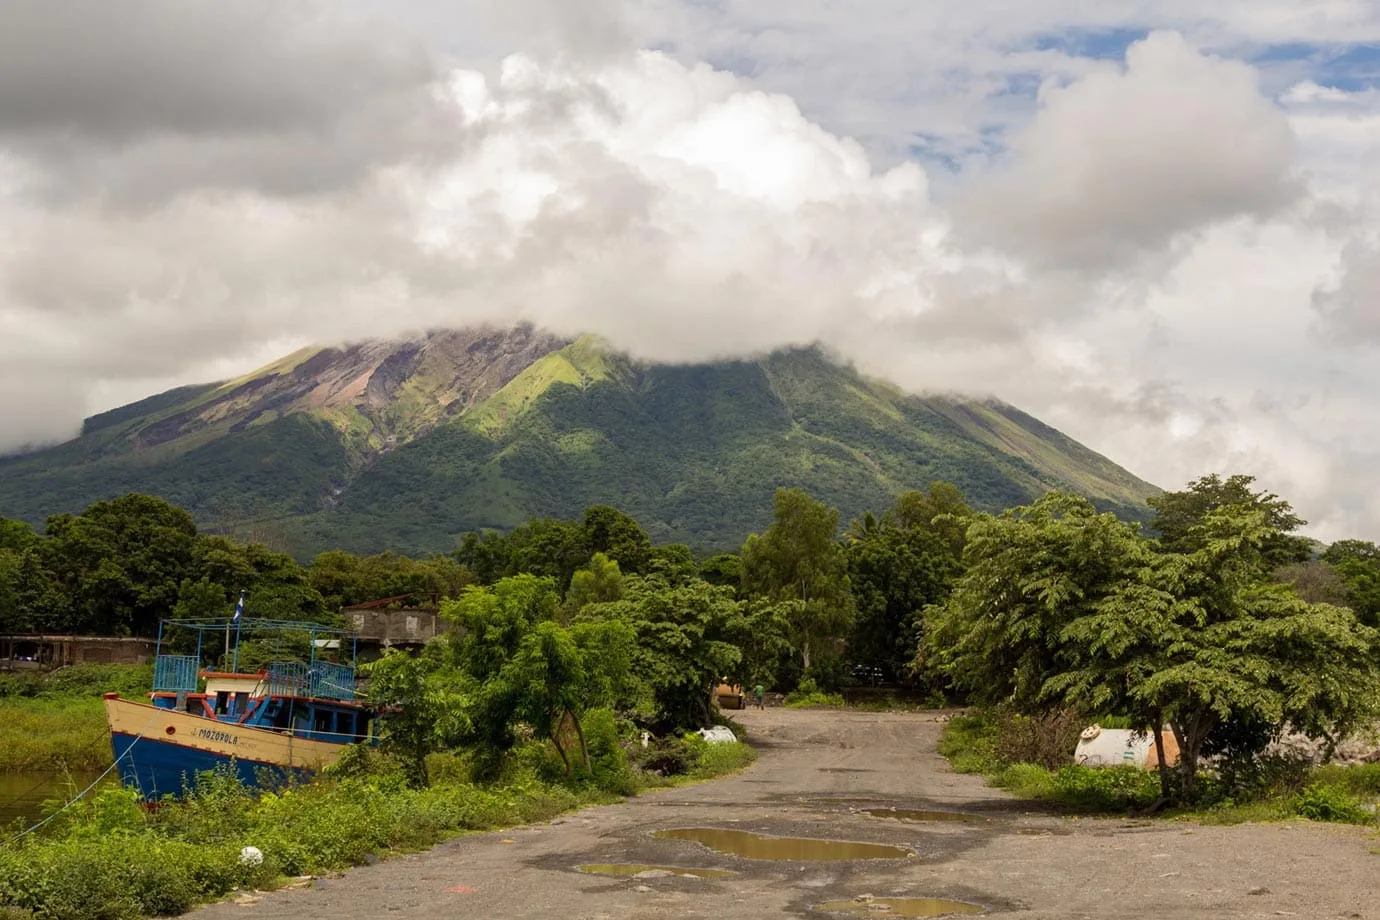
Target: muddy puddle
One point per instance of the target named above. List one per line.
(920, 814)
(629, 870)
(899, 907)
(757, 846)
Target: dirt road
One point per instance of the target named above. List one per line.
(817, 774)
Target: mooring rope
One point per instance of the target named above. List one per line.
(94, 783)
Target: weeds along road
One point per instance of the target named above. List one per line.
(818, 773)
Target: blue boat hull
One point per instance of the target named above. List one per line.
(156, 768)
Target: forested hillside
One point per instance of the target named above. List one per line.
(406, 445)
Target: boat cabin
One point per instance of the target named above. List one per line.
(244, 699)
(312, 699)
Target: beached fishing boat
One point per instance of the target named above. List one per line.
(286, 718)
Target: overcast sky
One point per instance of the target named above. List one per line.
(1155, 228)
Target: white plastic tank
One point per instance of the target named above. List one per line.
(1120, 747)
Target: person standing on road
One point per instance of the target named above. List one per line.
(759, 692)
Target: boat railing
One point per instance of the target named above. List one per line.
(321, 679)
(175, 673)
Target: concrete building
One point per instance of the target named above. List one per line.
(383, 624)
(25, 651)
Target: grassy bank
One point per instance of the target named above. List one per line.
(1279, 791)
(108, 858)
(55, 722)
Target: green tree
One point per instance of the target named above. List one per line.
(615, 534)
(1032, 571)
(548, 547)
(1204, 641)
(897, 567)
(426, 704)
(688, 636)
(488, 555)
(122, 562)
(798, 558)
(13, 618)
(559, 673)
(1180, 514)
(1357, 562)
(675, 561)
(600, 583)
(16, 536)
(724, 570)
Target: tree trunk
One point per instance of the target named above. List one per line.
(555, 730)
(1165, 792)
(584, 748)
(1191, 735)
(805, 652)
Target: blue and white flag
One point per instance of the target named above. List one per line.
(239, 608)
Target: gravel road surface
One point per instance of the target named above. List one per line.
(818, 775)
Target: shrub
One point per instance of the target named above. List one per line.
(1322, 802)
(1360, 780)
(969, 743)
(607, 758)
(671, 756)
(808, 695)
(721, 758)
(1048, 740)
(1026, 780)
(1106, 788)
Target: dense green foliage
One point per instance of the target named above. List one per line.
(1063, 607)
(898, 566)
(54, 722)
(1281, 788)
(106, 858)
(122, 565)
(694, 453)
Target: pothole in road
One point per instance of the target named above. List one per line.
(629, 870)
(900, 907)
(758, 846)
(920, 814)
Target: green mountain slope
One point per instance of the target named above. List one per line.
(406, 445)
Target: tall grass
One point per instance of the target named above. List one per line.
(107, 858)
(55, 722)
(40, 735)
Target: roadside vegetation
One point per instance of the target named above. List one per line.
(109, 858)
(54, 722)
(582, 657)
(1016, 753)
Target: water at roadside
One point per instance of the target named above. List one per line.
(22, 795)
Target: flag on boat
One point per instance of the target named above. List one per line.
(239, 607)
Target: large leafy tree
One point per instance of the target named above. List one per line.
(559, 673)
(599, 583)
(799, 559)
(615, 534)
(344, 578)
(1202, 641)
(523, 667)
(689, 637)
(543, 546)
(122, 562)
(1179, 516)
(1031, 572)
(1062, 606)
(899, 565)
